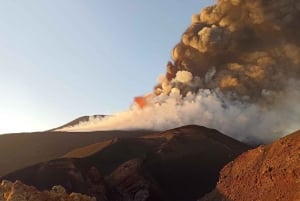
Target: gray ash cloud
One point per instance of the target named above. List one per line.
(248, 49)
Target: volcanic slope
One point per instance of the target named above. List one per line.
(25, 149)
(178, 164)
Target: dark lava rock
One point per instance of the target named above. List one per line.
(179, 164)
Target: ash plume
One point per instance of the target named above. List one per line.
(235, 69)
(244, 48)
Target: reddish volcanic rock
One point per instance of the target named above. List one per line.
(269, 172)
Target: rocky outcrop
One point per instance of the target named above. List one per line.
(133, 183)
(18, 191)
(269, 172)
(96, 185)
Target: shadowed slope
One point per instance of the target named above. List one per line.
(24, 149)
(188, 163)
(179, 164)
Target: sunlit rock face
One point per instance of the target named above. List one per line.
(269, 172)
(17, 191)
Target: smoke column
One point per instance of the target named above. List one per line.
(236, 69)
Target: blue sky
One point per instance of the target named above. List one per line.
(63, 59)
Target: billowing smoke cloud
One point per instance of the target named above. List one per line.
(243, 48)
(236, 69)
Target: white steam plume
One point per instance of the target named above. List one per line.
(244, 121)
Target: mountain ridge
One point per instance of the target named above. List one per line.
(192, 156)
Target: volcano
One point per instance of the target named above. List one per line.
(177, 164)
(216, 126)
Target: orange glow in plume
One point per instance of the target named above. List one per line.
(141, 101)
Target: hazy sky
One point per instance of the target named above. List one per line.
(63, 59)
